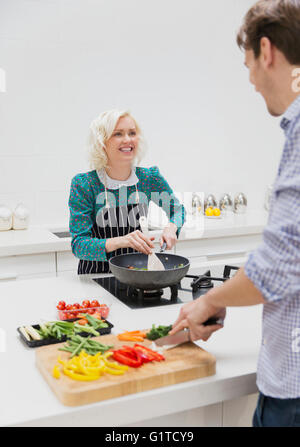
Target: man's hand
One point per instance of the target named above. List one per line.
(237, 291)
(194, 314)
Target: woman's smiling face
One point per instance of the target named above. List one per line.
(122, 146)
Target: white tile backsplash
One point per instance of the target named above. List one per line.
(67, 61)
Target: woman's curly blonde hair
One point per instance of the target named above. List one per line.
(101, 129)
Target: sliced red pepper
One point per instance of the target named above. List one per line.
(153, 355)
(144, 358)
(122, 357)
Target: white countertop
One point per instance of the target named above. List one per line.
(40, 239)
(26, 399)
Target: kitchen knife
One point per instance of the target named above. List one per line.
(184, 335)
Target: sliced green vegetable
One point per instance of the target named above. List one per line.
(77, 343)
(158, 332)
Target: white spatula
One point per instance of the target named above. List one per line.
(153, 262)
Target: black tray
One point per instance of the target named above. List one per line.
(51, 341)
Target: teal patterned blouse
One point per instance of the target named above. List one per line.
(86, 188)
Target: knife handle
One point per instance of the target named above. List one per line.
(212, 321)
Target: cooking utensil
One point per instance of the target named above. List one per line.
(176, 267)
(176, 339)
(153, 262)
(184, 335)
(163, 247)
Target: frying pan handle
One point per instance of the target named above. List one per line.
(164, 246)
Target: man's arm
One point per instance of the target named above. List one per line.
(237, 291)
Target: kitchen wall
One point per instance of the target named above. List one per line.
(175, 65)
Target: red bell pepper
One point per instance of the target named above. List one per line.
(135, 356)
(152, 355)
(127, 358)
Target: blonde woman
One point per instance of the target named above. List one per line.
(107, 202)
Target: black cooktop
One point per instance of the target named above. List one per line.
(189, 288)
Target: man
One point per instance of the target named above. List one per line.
(270, 37)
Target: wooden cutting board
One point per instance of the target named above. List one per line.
(183, 363)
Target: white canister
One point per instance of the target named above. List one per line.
(20, 217)
(5, 218)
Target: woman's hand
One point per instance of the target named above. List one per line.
(136, 240)
(192, 315)
(169, 236)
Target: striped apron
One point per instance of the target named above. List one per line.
(118, 223)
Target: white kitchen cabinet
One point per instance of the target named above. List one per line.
(232, 413)
(23, 266)
(66, 262)
(239, 412)
(208, 416)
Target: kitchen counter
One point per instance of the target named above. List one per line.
(37, 239)
(27, 400)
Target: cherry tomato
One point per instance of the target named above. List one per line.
(71, 315)
(61, 305)
(90, 311)
(86, 303)
(104, 312)
(69, 307)
(76, 306)
(94, 303)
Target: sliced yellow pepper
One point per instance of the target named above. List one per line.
(85, 367)
(116, 372)
(56, 372)
(77, 376)
(115, 365)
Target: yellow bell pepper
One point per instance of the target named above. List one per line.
(77, 376)
(85, 367)
(56, 372)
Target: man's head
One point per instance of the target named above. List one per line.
(270, 36)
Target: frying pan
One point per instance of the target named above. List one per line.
(152, 279)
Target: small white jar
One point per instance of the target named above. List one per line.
(5, 218)
(20, 217)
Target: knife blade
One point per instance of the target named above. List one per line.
(183, 336)
(176, 339)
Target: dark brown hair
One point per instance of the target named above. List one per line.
(279, 20)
